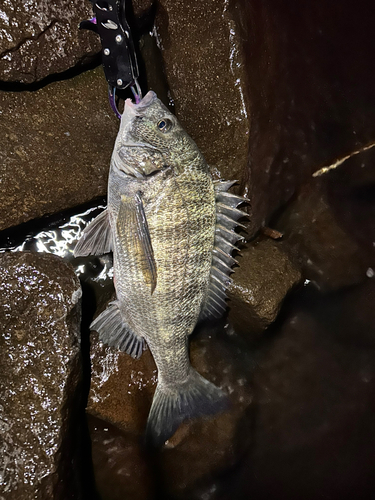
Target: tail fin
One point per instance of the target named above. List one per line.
(173, 404)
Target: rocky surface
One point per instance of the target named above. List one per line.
(328, 254)
(121, 387)
(55, 147)
(205, 72)
(121, 394)
(307, 432)
(264, 277)
(271, 92)
(39, 38)
(314, 386)
(121, 467)
(311, 92)
(256, 112)
(40, 424)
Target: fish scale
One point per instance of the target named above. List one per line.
(171, 230)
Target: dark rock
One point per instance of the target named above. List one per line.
(55, 148)
(351, 196)
(153, 69)
(314, 387)
(310, 85)
(121, 387)
(41, 38)
(265, 276)
(329, 256)
(40, 372)
(121, 393)
(203, 60)
(120, 466)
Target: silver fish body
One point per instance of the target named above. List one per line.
(171, 230)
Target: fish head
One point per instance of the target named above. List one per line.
(151, 139)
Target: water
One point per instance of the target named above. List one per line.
(58, 234)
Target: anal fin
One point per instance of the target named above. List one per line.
(115, 332)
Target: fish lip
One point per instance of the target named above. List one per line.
(148, 99)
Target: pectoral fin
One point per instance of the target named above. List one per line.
(96, 238)
(132, 219)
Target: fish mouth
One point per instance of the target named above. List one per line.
(138, 145)
(147, 100)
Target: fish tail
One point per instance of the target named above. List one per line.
(172, 404)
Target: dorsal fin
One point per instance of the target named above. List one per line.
(221, 185)
(228, 234)
(227, 215)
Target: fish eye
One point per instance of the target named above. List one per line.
(165, 125)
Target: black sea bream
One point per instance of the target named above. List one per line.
(171, 231)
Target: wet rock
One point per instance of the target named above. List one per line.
(39, 378)
(120, 465)
(121, 387)
(314, 389)
(56, 147)
(39, 38)
(205, 72)
(329, 256)
(265, 276)
(153, 69)
(307, 103)
(351, 196)
(121, 393)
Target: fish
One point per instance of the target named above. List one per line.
(171, 229)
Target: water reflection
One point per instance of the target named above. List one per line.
(60, 238)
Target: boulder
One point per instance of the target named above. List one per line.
(40, 420)
(202, 52)
(314, 383)
(120, 463)
(328, 254)
(39, 38)
(55, 148)
(121, 387)
(265, 275)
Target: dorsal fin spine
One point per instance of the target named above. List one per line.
(230, 223)
(227, 215)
